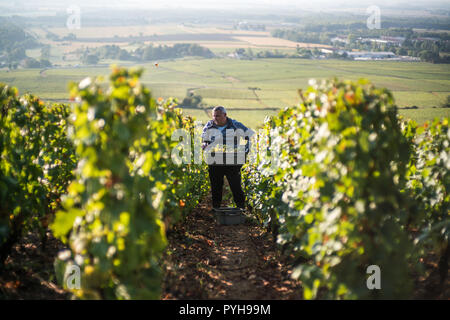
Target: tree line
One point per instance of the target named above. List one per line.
(145, 53)
(14, 41)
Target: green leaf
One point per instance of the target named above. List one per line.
(64, 222)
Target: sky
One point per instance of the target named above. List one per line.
(228, 4)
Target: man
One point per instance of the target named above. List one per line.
(222, 130)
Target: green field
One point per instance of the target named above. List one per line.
(231, 83)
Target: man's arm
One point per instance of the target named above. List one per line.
(206, 139)
(248, 134)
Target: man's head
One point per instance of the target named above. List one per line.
(219, 115)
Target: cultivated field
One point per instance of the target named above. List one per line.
(251, 90)
(220, 39)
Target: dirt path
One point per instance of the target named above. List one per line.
(211, 261)
(28, 272)
(261, 102)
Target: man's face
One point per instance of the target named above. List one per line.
(220, 118)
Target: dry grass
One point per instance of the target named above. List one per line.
(120, 31)
(244, 38)
(277, 42)
(146, 30)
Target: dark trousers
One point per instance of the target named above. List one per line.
(233, 174)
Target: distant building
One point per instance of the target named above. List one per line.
(244, 25)
(331, 50)
(428, 39)
(234, 55)
(327, 51)
(384, 39)
(396, 40)
(366, 55)
(340, 39)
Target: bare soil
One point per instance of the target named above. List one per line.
(28, 273)
(206, 260)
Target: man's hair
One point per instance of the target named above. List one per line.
(219, 108)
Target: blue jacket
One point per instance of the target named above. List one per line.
(231, 124)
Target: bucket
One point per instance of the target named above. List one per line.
(229, 216)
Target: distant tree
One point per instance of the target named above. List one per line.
(31, 63)
(351, 38)
(249, 53)
(16, 54)
(305, 53)
(124, 55)
(429, 56)
(45, 63)
(45, 52)
(192, 100)
(447, 103)
(52, 36)
(90, 59)
(179, 50)
(13, 66)
(402, 51)
(70, 37)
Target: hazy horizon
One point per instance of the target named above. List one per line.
(318, 5)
